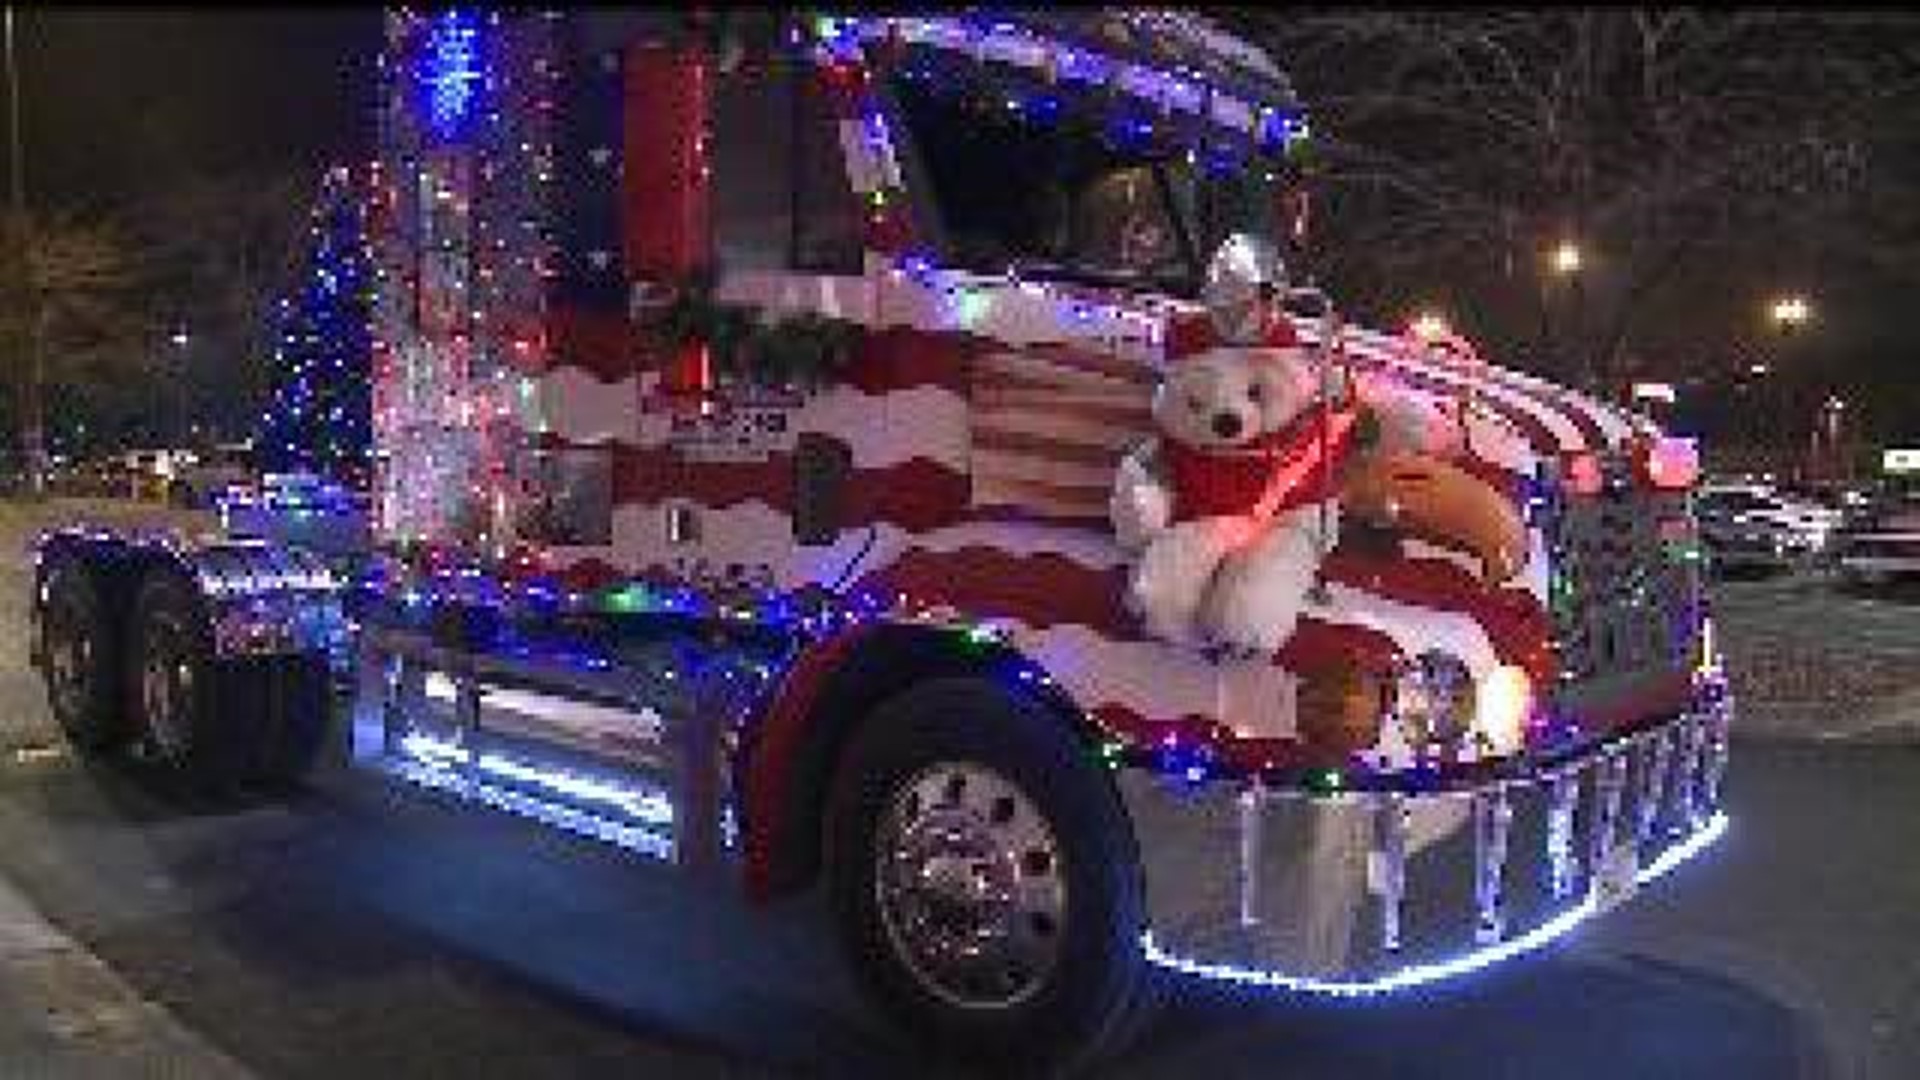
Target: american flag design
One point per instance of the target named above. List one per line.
(982, 459)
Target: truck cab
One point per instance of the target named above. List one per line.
(789, 434)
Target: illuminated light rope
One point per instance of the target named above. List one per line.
(1014, 45)
(437, 776)
(451, 70)
(650, 807)
(1417, 975)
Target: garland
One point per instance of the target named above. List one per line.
(805, 350)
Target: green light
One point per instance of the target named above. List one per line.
(1325, 781)
(627, 600)
(973, 308)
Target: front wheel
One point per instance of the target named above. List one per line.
(985, 878)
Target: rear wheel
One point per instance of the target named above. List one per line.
(167, 686)
(218, 724)
(985, 878)
(80, 660)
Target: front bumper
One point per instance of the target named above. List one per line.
(1360, 894)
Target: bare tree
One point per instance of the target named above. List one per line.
(219, 250)
(1459, 146)
(72, 323)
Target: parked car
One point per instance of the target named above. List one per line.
(1745, 519)
(150, 473)
(199, 482)
(303, 509)
(1738, 542)
(1884, 543)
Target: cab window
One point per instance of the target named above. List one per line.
(781, 195)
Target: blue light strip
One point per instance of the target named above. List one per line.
(1422, 974)
(649, 807)
(452, 70)
(634, 838)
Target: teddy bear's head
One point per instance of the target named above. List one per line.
(1228, 397)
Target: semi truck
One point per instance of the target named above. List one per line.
(896, 454)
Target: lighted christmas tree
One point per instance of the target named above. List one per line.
(319, 417)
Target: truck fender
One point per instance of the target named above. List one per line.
(789, 754)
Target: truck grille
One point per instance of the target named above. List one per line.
(1625, 577)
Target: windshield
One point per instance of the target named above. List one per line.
(1020, 188)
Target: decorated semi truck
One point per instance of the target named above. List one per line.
(896, 453)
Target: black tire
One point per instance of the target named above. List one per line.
(219, 727)
(80, 660)
(1097, 987)
(168, 684)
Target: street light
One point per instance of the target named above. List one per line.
(1787, 313)
(1564, 262)
(1790, 312)
(180, 341)
(1566, 258)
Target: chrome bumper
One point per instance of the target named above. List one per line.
(1366, 893)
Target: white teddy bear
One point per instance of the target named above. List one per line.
(1230, 508)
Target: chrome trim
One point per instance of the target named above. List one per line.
(1354, 889)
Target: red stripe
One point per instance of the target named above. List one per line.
(1559, 399)
(916, 495)
(663, 162)
(902, 358)
(1074, 363)
(1049, 447)
(1041, 590)
(1045, 590)
(1535, 430)
(1391, 354)
(1514, 621)
(992, 400)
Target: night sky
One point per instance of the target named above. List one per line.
(119, 100)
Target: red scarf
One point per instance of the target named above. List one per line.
(1275, 472)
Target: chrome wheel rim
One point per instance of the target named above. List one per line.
(166, 691)
(968, 880)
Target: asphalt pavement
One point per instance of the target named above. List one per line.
(360, 930)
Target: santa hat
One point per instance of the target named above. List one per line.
(1192, 334)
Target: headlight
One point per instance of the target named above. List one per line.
(1433, 701)
(1438, 704)
(1505, 702)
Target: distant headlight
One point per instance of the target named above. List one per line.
(1434, 701)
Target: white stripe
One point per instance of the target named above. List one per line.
(756, 533)
(1413, 629)
(1067, 429)
(883, 430)
(992, 465)
(1390, 351)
